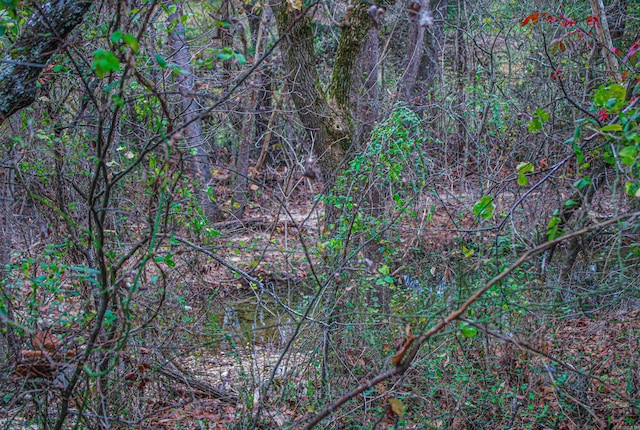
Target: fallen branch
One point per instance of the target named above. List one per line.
(197, 384)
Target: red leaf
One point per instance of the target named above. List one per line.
(592, 20)
(534, 18)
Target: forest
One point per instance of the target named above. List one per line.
(332, 214)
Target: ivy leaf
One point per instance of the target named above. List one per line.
(132, 43)
(116, 36)
(240, 58)
(611, 97)
(540, 116)
(554, 231)
(484, 208)
(225, 54)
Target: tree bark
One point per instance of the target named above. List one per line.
(430, 69)
(255, 86)
(13, 352)
(193, 130)
(42, 36)
(420, 18)
(604, 38)
(328, 129)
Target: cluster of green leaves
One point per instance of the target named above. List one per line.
(622, 134)
(621, 148)
(396, 160)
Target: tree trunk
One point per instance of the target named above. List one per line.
(420, 18)
(255, 85)
(604, 39)
(193, 129)
(431, 64)
(328, 129)
(13, 352)
(42, 36)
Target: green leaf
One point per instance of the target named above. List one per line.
(168, 259)
(578, 152)
(612, 127)
(628, 155)
(611, 97)
(132, 43)
(554, 231)
(542, 114)
(534, 125)
(105, 62)
(467, 252)
(240, 58)
(116, 36)
(582, 182)
(212, 232)
(522, 169)
(161, 62)
(484, 208)
(468, 330)
(225, 54)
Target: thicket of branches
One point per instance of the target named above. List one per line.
(417, 214)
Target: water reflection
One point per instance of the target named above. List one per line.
(262, 319)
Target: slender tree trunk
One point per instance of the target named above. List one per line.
(193, 130)
(13, 351)
(431, 64)
(420, 18)
(604, 39)
(255, 85)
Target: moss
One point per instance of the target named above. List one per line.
(351, 41)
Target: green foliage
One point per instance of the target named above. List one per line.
(229, 53)
(105, 62)
(611, 97)
(394, 160)
(539, 117)
(467, 330)
(484, 208)
(522, 169)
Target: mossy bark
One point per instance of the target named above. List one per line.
(328, 129)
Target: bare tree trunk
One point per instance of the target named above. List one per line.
(255, 85)
(328, 127)
(604, 38)
(193, 130)
(13, 351)
(420, 18)
(431, 64)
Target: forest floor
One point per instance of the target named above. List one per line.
(280, 246)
